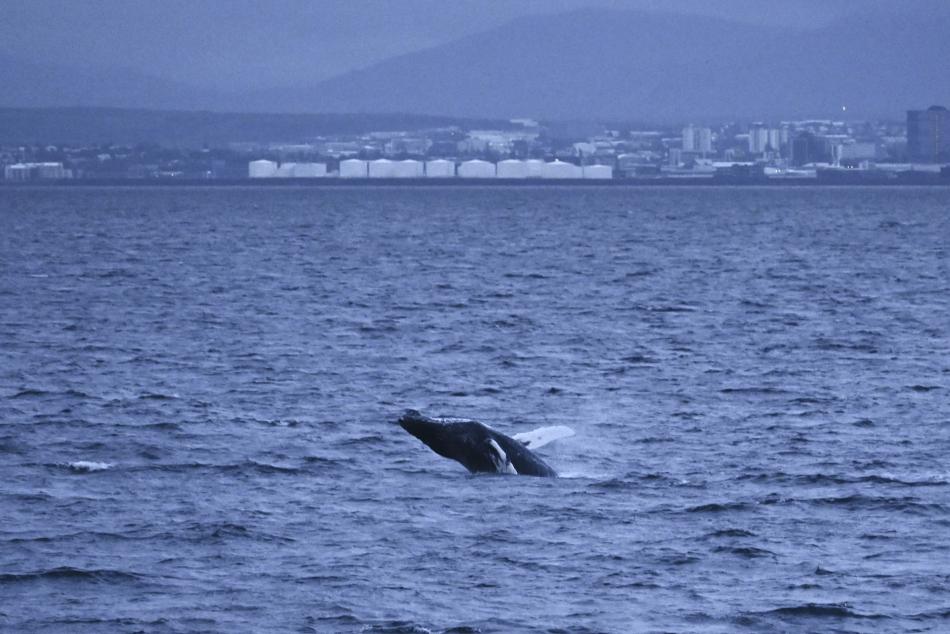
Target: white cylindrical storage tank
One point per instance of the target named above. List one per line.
(534, 168)
(512, 168)
(261, 169)
(310, 170)
(353, 168)
(408, 169)
(286, 170)
(17, 172)
(51, 170)
(440, 168)
(560, 169)
(598, 171)
(381, 168)
(477, 169)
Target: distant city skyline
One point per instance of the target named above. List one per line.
(369, 148)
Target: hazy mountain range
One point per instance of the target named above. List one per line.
(621, 65)
(195, 129)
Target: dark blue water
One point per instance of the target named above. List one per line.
(198, 390)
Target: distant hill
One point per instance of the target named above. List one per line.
(648, 66)
(30, 84)
(590, 64)
(196, 129)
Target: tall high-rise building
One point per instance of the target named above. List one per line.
(697, 139)
(763, 139)
(928, 135)
(778, 139)
(689, 139)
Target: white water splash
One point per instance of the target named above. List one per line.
(88, 466)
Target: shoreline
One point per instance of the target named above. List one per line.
(936, 181)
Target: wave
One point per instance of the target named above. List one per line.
(348, 621)
(88, 466)
(371, 439)
(638, 359)
(749, 552)
(28, 392)
(215, 533)
(818, 479)
(754, 391)
(95, 535)
(939, 613)
(37, 392)
(835, 610)
(869, 502)
(729, 532)
(849, 346)
(923, 388)
(121, 622)
(248, 466)
(320, 460)
(398, 627)
(666, 308)
(157, 396)
(719, 508)
(28, 497)
(69, 573)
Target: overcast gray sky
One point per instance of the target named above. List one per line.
(241, 44)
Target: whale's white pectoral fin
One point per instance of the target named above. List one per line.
(500, 458)
(543, 436)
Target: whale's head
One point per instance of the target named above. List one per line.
(468, 442)
(430, 431)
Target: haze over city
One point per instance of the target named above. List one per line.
(625, 59)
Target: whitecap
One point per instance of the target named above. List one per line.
(88, 466)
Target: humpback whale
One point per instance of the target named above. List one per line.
(480, 448)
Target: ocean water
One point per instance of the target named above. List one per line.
(199, 388)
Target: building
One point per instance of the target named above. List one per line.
(440, 168)
(534, 168)
(406, 145)
(761, 139)
(382, 168)
(855, 152)
(598, 172)
(476, 169)
(408, 168)
(697, 139)
(808, 148)
(262, 169)
(17, 172)
(778, 139)
(512, 168)
(353, 168)
(34, 171)
(928, 135)
(286, 170)
(560, 169)
(310, 170)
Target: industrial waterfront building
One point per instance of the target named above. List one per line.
(19, 172)
(271, 169)
(383, 168)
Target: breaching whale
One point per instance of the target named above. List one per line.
(480, 448)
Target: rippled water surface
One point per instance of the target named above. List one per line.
(198, 390)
